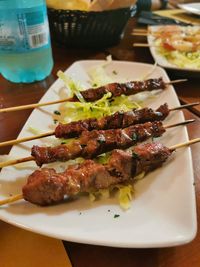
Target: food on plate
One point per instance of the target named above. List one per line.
(99, 135)
(96, 142)
(46, 186)
(180, 45)
(119, 119)
(128, 88)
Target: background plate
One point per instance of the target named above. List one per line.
(193, 8)
(163, 211)
(163, 62)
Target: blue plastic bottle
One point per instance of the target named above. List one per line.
(25, 49)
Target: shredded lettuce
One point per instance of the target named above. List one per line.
(101, 193)
(149, 73)
(34, 130)
(139, 176)
(98, 75)
(125, 196)
(124, 192)
(74, 87)
(92, 197)
(105, 106)
(103, 158)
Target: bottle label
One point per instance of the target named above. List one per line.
(25, 29)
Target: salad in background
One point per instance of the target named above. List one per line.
(178, 45)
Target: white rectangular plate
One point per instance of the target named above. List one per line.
(161, 60)
(163, 211)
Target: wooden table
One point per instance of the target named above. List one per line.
(95, 256)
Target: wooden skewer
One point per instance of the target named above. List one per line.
(11, 199)
(140, 33)
(36, 105)
(144, 45)
(26, 139)
(21, 160)
(179, 124)
(176, 81)
(140, 30)
(20, 196)
(185, 106)
(15, 161)
(189, 143)
(145, 32)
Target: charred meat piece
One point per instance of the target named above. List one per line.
(45, 186)
(91, 144)
(117, 89)
(119, 119)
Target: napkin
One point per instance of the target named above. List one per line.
(20, 248)
(180, 15)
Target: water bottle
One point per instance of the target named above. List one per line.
(25, 49)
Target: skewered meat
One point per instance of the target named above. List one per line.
(128, 88)
(119, 119)
(91, 144)
(45, 186)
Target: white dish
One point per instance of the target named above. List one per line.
(161, 60)
(163, 212)
(193, 8)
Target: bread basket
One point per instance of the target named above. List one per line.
(74, 28)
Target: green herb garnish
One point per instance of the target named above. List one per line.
(134, 137)
(56, 112)
(63, 143)
(134, 155)
(101, 140)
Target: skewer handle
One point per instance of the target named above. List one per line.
(179, 124)
(25, 139)
(139, 34)
(143, 45)
(15, 161)
(140, 30)
(191, 142)
(176, 81)
(185, 106)
(11, 199)
(33, 105)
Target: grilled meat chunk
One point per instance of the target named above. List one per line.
(117, 89)
(45, 186)
(96, 142)
(119, 119)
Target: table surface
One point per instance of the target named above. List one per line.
(11, 123)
